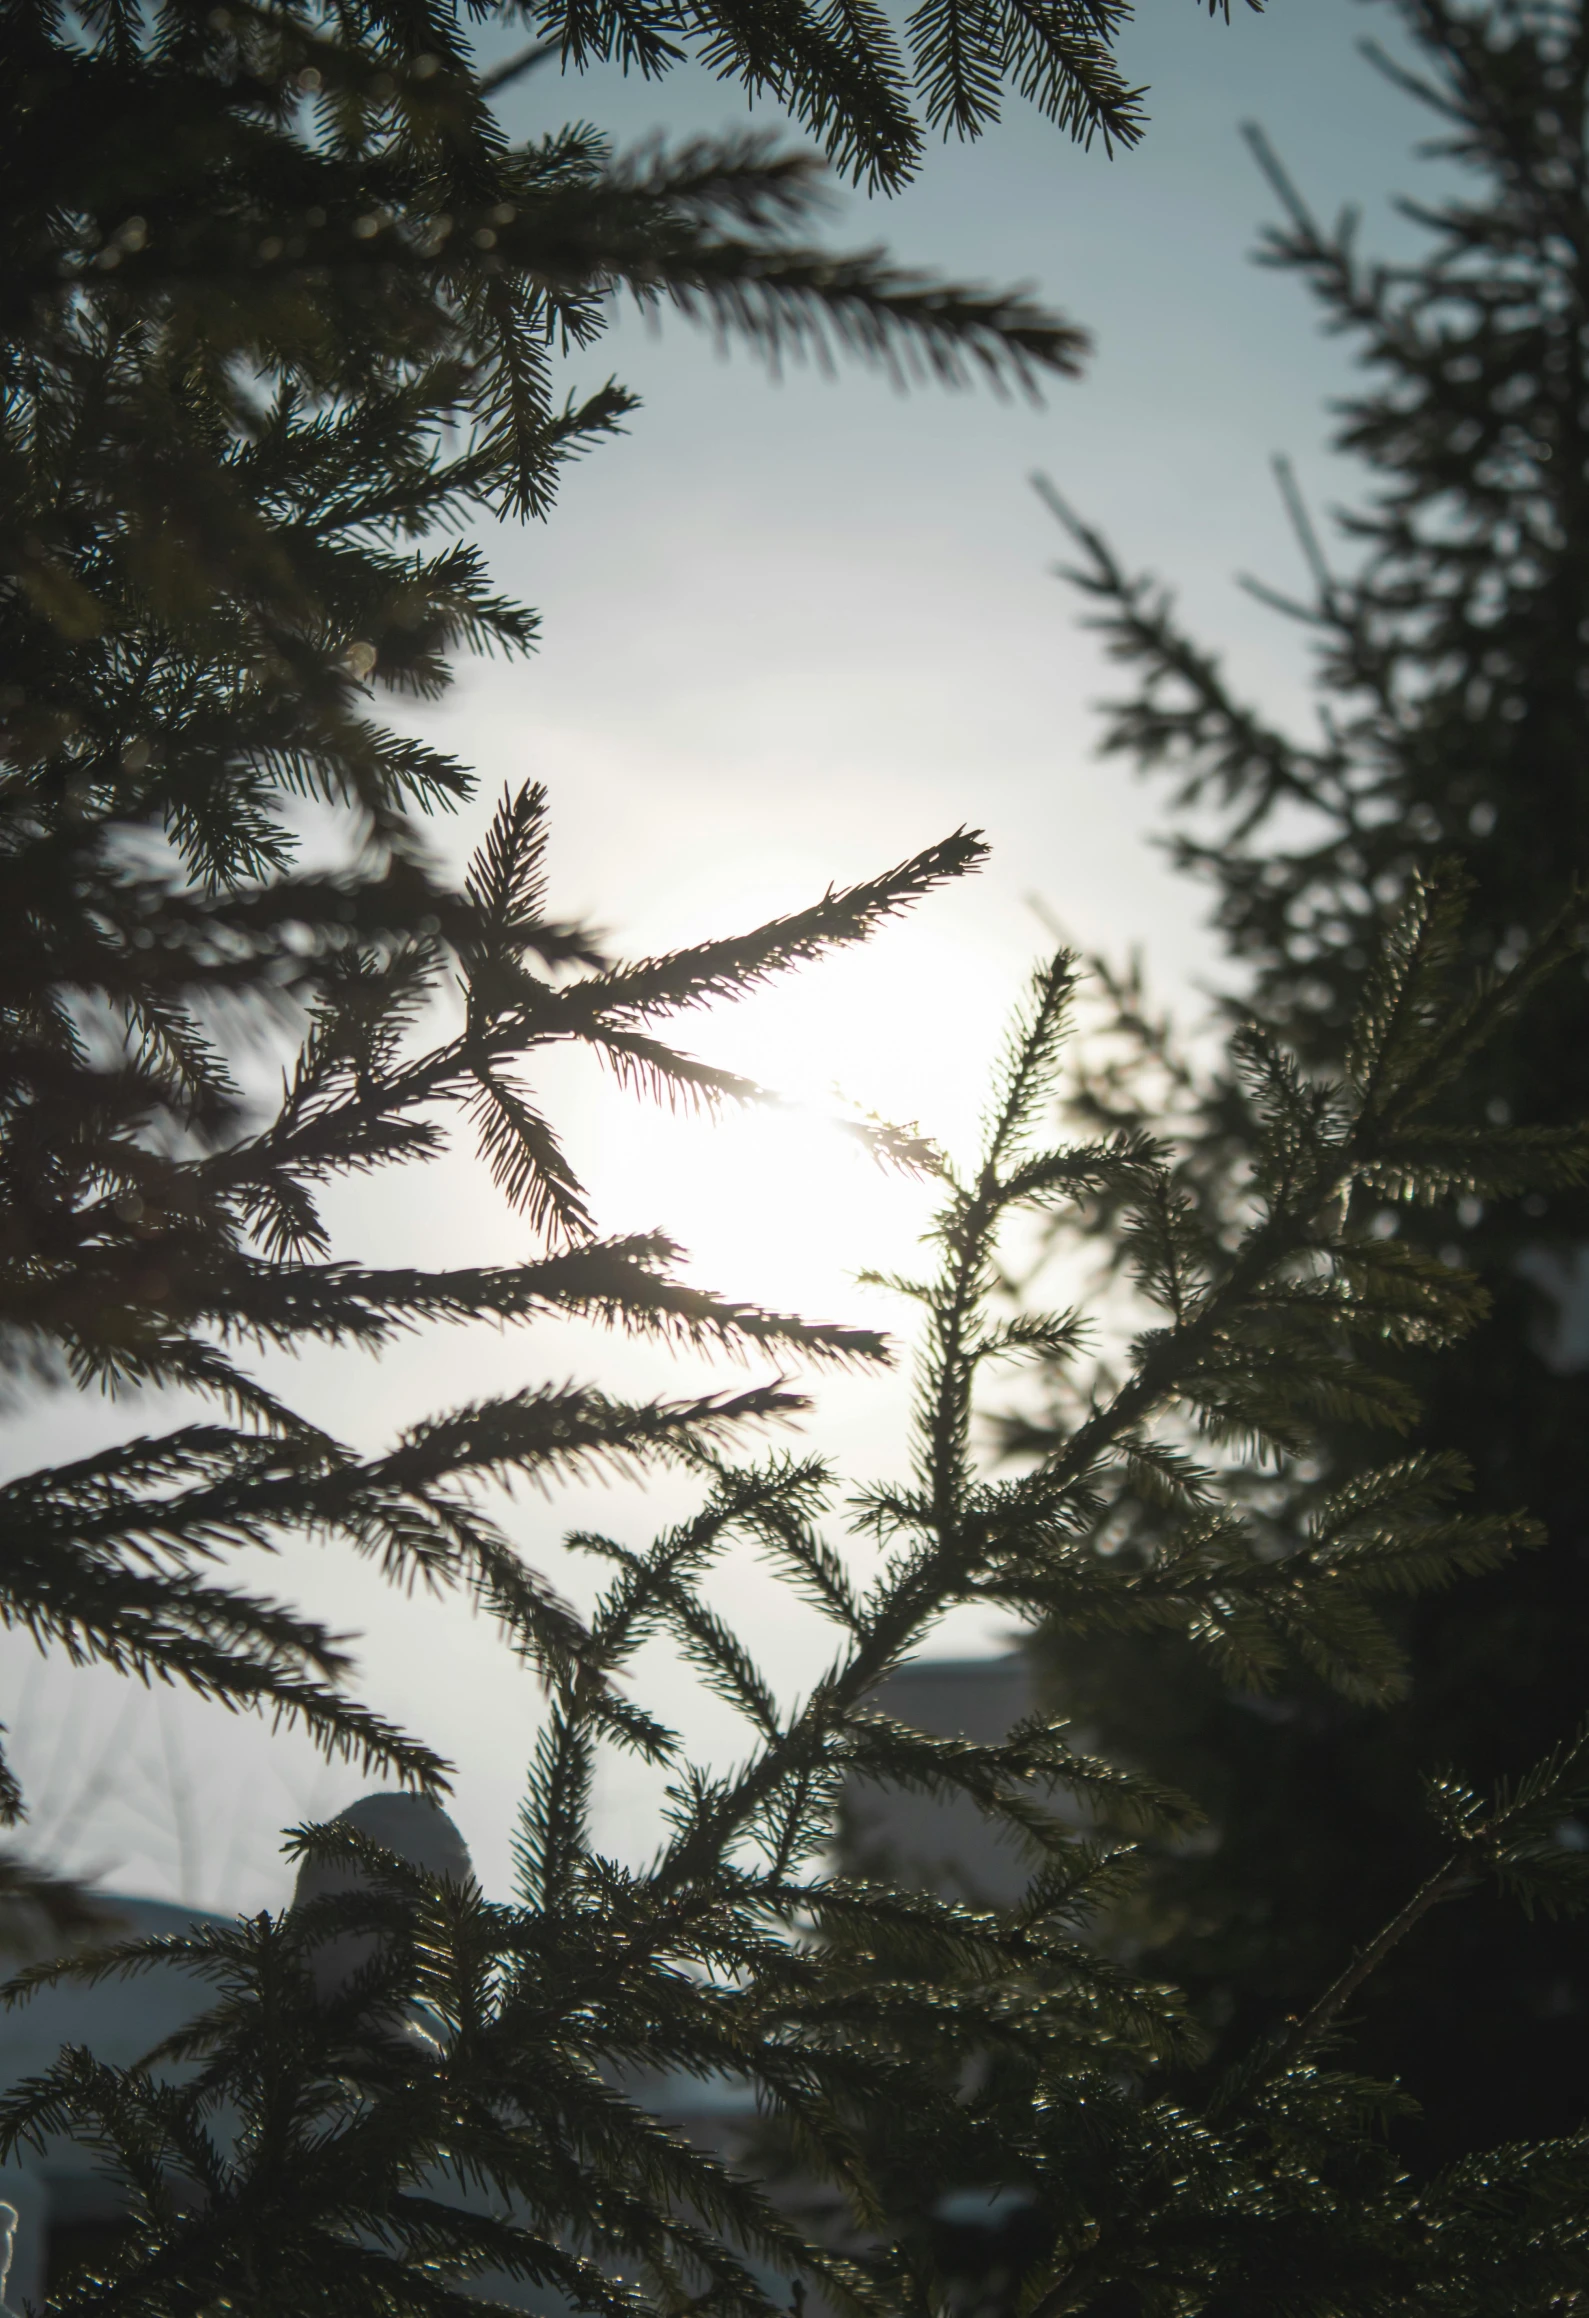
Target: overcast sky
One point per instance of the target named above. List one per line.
(791, 634)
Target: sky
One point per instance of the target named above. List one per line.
(792, 633)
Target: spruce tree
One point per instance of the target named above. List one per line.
(448, 2119)
(1448, 629)
(282, 304)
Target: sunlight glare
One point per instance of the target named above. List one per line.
(782, 1205)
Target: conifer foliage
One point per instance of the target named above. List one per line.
(109, 1554)
(1447, 625)
(282, 309)
(281, 305)
(452, 2117)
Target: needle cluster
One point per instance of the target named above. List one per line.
(460, 2114)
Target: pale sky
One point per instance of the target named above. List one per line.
(791, 634)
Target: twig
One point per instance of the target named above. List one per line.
(514, 67)
(1447, 1882)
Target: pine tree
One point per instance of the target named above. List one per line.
(1448, 636)
(448, 2118)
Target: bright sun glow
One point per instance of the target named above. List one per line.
(782, 1205)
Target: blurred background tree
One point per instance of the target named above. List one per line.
(1448, 624)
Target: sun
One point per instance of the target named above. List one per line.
(780, 1205)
